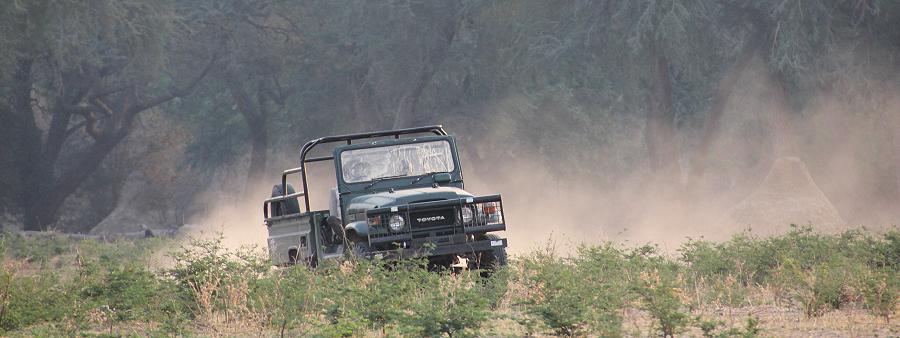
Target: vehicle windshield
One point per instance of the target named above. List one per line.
(415, 159)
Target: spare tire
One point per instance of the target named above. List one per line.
(286, 207)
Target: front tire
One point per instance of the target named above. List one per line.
(493, 259)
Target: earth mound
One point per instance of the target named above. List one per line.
(788, 195)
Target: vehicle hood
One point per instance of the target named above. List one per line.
(403, 197)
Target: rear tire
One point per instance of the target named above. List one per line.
(360, 249)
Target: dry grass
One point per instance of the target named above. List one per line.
(227, 294)
(776, 319)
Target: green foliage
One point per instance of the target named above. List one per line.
(714, 328)
(127, 292)
(216, 279)
(660, 288)
(446, 304)
(561, 300)
(101, 287)
(818, 288)
(881, 289)
(577, 297)
(286, 299)
(28, 300)
(34, 249)
(818, 272)
(403, 297)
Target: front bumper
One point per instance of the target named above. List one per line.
(411, 233)
(461, 249)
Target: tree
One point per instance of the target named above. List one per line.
(88, 83)
(400, 46)
(752, 43)
(797, 34)
(665, 36)
(263, 44)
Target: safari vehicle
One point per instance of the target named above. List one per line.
(398, 194)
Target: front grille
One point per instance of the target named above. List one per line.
(432, 218)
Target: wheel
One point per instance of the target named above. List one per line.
(493, 259)
(360, 249)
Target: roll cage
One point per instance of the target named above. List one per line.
(348, 138)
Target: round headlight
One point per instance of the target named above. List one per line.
(396, 223)
(467, 215)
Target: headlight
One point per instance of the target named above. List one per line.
(467, 215)
(396, 223)
(487, 213)
(492, 212)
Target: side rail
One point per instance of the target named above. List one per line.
(269, 204)
(475, 214)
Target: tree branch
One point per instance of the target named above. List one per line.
(75, 128)
(110, 92)
(174, 92)
(241, 98)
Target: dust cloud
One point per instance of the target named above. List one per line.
(237, 216)
(846, 166)
(238, 219)
(844, 173)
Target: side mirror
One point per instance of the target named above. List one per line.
(442, 178)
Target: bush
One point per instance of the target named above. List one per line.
(450, 304)
(94, 286)
(578, 296)
(401, 296)
(218, 281)
(32, 299)
(341, 289)
(658, 284)
(817, 272)
(128, 292)
(34, 249)
(286, 298)
(881, 290)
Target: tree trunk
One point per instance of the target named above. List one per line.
(29, 146)
(726, 87)
(58, 190)
(433, 59)
(365, 104)
(259, 147)
(660, 122)
(779, 94)
(47, 186)
(406, 111)
(256, 114)
(783, 116)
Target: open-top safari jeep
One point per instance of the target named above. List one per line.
(399, 194)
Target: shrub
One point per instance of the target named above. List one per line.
(127, 291)
(444, 303)
(559, 298)
(39, 248)
(577, 296)
(881, 291)
(659, 286)
(707, 260)
(714, 328)
(340, 289)
(389, 290)
(218, 280)
(30, 299)
(286, 298)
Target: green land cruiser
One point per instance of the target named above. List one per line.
(398, 194)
